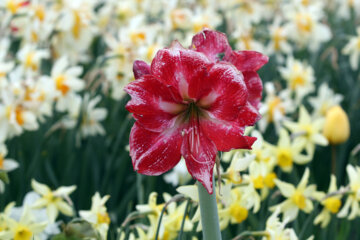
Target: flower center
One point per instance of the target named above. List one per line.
(258, 182)
(1, 161)
(299, 199)
(269, 180)
(22, 233)
(278, 37)
(284, 158)
(50, 197)
(77, 25)
(273, 105)
(60, 84)
(29, 61)
(304, 22)
(332, 204)
(238, 212)
(103, 218)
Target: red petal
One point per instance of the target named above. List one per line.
(140, 68)
(248, 115)
(228, 92)
(254, 86)
(152, 103)
(154, 153)
(211, 43)
(199, 153)
(246, 60)
(226, 135)
(181, 68)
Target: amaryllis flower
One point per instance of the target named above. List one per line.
(191, 103)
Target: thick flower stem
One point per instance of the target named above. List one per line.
(209, 213)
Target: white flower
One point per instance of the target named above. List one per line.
(179, 175)
(353, 198)
(299, 77)
(6, 164)
(275, 107)
(325, 99)
(91, 117)
(304, 26)
(98, 215)
(66, 80)
(352, 48)
(276, 229)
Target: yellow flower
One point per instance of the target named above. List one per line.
(297, 198)
(308, 130)
(24, 229)
(53, 201)
(287, 152)
(331, 205)
(337, 126)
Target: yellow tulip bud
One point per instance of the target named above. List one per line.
(337, 126)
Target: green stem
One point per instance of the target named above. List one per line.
(333, 159)
(209, 213)
(247, 234)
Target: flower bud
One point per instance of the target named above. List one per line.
(337, 126)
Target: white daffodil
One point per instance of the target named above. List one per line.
(331, 205)
(305, 27)
(179, 175)
(279, 39)
(277, 230)
(299, 77)
(275, 107)
(298, 198)
(238, 163)
(352, 48)
(98, 215)
(30, 57)
(325, 99)
(345, 8)
(91, 117)
(6, 164)
(66, 80)
(309, 129)
(54, 201)
(352, 201)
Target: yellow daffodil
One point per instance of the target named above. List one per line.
(54, 201)
(24, 229)
(331, 205)
(308, 130)
(288, 152)
(236, 210)
(298, 198)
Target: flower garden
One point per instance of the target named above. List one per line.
(179, 119)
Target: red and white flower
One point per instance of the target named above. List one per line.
(192, 103)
